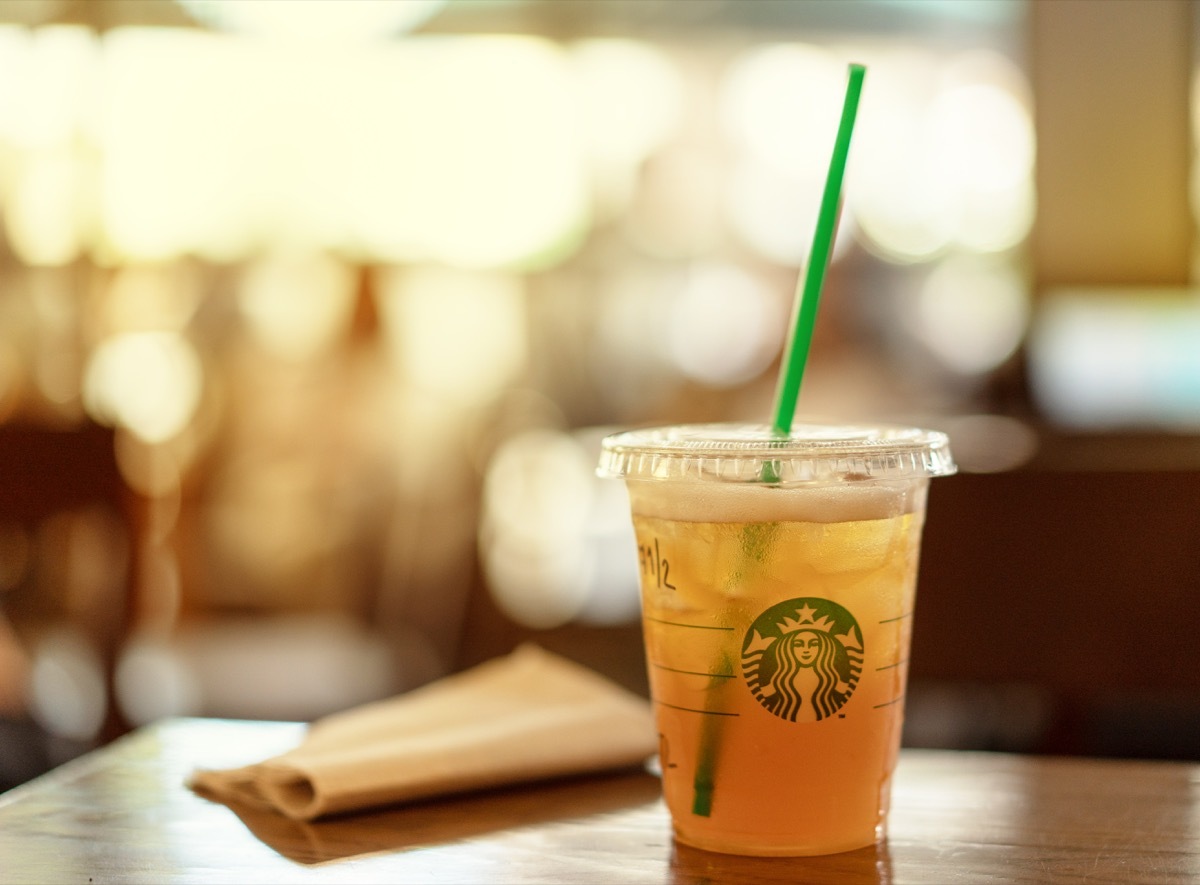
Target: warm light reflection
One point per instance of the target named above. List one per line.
(904, 204)
(46, 206)
(172, 179)
(56, 67)
(630, 99)
(984, 138)
(298, 305)
(943, 155)
(535, 502)
(972, 313)
(782, 103)
(998, 220)
(725, 326)
(148, 382)
(983, 135)
(555, 543)
(453, 150)
(473, 164)
(458, 334)
(776, 213)
(492, 150)
(48, 188)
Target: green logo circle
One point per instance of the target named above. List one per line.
(802, 658)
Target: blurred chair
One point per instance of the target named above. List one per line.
(1066, 592)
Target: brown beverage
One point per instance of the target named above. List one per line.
(778, 583)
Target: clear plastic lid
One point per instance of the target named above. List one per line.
(811, 453)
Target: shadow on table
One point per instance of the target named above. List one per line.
(443, 821)
(866, 866)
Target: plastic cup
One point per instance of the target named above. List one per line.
(778, 579)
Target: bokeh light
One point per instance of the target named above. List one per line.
(630, 99)
(147, 382)
(470, 165)
(726, 326)
(152, 681)
(172, 181)
(298, 305)
(1102, 359)
(535, 499)
(457, 334)
(303, 270)
(943, 155)
(303, 666)
(57, 68)
(972, 313)
(48, 190)
(985, 147)
(555, 544)
(775, 213)
(67, 696)
(990, 443)
(782, 104)
(47, 208)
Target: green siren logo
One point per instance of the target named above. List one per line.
(802, 658)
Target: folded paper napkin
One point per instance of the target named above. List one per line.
(527, 716)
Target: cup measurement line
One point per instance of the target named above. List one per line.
(898, 618)
(694, 710)
(659, 666)
(892, 666)
(693, 626)
(895, 700)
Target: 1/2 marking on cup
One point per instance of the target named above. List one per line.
(655, 564)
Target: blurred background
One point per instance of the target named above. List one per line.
(312, 316)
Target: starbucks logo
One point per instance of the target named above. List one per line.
(802, 658)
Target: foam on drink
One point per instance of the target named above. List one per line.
(741, 502)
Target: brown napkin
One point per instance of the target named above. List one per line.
(528, 716)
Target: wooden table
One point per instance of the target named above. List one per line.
(122, 814)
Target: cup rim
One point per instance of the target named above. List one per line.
(757, 453)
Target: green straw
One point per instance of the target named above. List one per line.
(808, 288)
(808, 293)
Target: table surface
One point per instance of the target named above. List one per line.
(123, 814)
